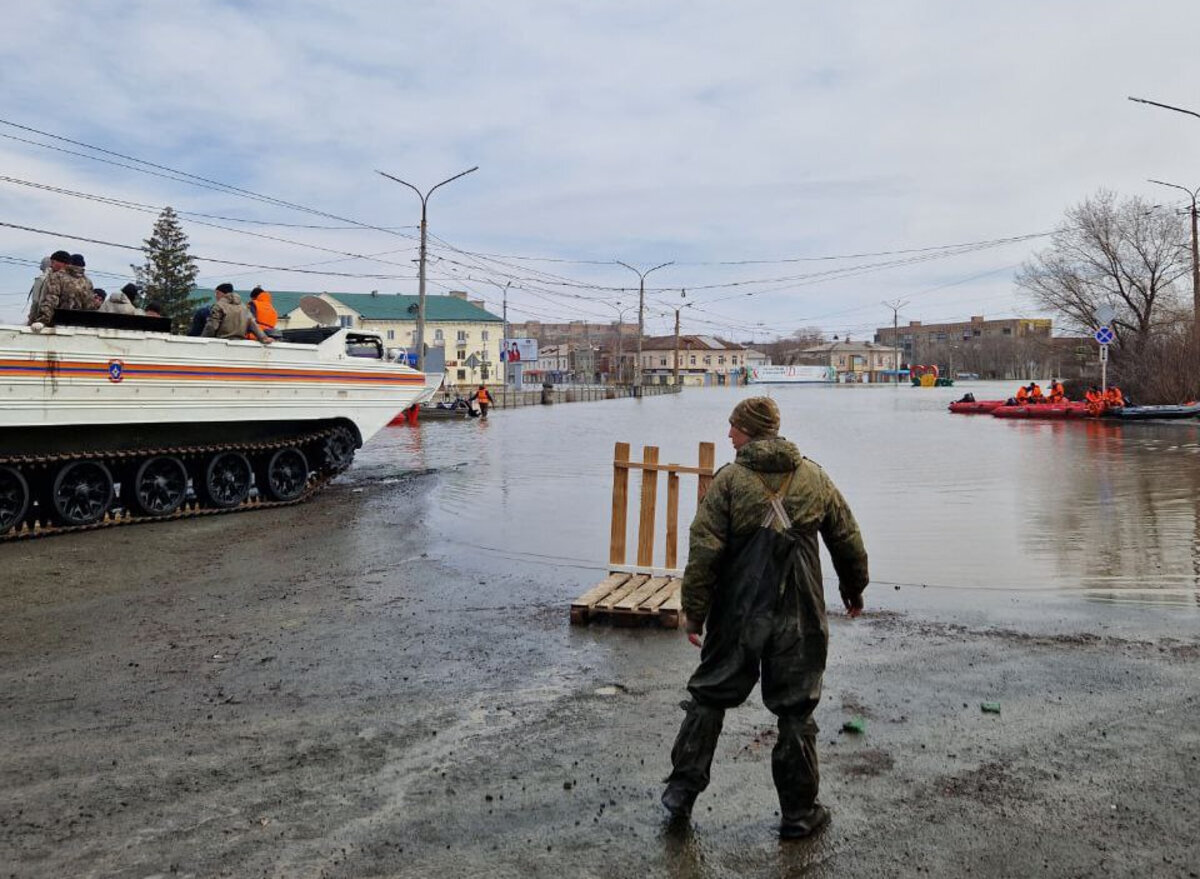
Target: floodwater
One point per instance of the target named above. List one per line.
(1092, 510)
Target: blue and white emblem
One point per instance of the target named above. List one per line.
(116, 370)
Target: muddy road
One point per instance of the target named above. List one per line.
(308, 692)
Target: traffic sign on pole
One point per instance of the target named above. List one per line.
(1103, 353)
(1105, 335)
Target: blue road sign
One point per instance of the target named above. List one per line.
(1104, 335)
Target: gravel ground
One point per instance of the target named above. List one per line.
(327, 690)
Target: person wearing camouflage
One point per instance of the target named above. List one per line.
(66, 287)
(753, 587)
(229, 319)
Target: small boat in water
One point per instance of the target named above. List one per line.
(1141, 413)
(975, 407)
(1043, 410)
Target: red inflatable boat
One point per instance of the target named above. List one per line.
(975, 407)
(1043, 410)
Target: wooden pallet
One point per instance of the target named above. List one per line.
(630, 599)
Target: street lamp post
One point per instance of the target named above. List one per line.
(682, 293)
(895, 307)
(421, 274)
(637, 375)
(1192, 194)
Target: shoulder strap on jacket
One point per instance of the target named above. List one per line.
(777, 516)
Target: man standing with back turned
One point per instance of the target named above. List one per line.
(753, 586)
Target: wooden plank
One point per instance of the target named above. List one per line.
(645, 550)
(600, 590)
(659, 598)
(635, 598)
(672, 520)
(620, 505)
(708, 460)
(621, 591)
(670, 468)
(670, 611)
(582, 606)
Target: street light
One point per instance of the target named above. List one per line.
(1166, 107)
(1192, 194)
(620, 310)
(421, 276)
(637, 375)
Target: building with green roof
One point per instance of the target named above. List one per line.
(469, 334)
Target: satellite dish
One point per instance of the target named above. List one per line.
(318, 310)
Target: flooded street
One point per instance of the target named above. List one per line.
(1096, 510)
(382, 682)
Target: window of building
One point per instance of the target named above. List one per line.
(1007, 331)
(483, 373)
(438, 336)
(462, 335)
(733, 360)
(976, 333)
(462, 354)
(662, 361)
(485, 355)
(462, 375)
(391, 335)
(346, 320)
(693, 359)
(721, 360)
(708, 360)
(484, 335)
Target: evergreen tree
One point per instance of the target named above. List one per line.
(169, 274)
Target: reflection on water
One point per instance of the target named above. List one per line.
(1110, 511)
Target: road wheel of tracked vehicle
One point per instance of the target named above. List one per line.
(81, 493)
(286, 475)
(337, 450)
(160, 486)
(227, 480)
(14, 498)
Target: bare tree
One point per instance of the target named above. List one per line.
(1122, 253)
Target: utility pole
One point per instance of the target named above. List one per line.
(421, 273)
(637, 375)
(682, 293)
(895, 307)
(1192, 194)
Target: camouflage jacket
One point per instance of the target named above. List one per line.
(65, 289)
(229, 319)
(737, 504)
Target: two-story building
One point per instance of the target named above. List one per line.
(702, 360)
(469, 335)
(853, 361)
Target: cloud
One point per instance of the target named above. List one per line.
(699, 132)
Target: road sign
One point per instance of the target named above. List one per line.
(1105, 335)
(473, 362)
(1104, 315)
(1103, 353)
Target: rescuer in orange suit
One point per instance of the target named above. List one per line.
(1035, 393)
(1057, 394)
(263, 311)
(1022, 395)
(483, 399)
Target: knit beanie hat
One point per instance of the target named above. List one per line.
(756, 417)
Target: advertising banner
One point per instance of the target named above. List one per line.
(519, 351)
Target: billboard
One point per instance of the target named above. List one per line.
(798, 375)
(519, 351)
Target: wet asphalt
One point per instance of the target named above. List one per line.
(308, 692)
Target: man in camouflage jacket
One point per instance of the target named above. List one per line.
(753, 586)
(66, 287)
(229, 319)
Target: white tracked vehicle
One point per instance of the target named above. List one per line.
(108, 418)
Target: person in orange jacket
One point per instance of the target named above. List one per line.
(263, 311)
(1113, 398)
(1035, 393)
(483, 399)
(1057, 395)
(1022, 395)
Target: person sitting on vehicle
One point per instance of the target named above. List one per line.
(154, 308)
(64, 287)
(263, 311)
(229, 319)
(116, 303)
(1035, 393)
(1022, 395)
(1114, 399)
(967, 398)
(1057, 394)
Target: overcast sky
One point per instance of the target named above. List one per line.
(768, 134)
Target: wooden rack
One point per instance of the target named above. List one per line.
(641, 592)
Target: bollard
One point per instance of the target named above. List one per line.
(547, 393)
